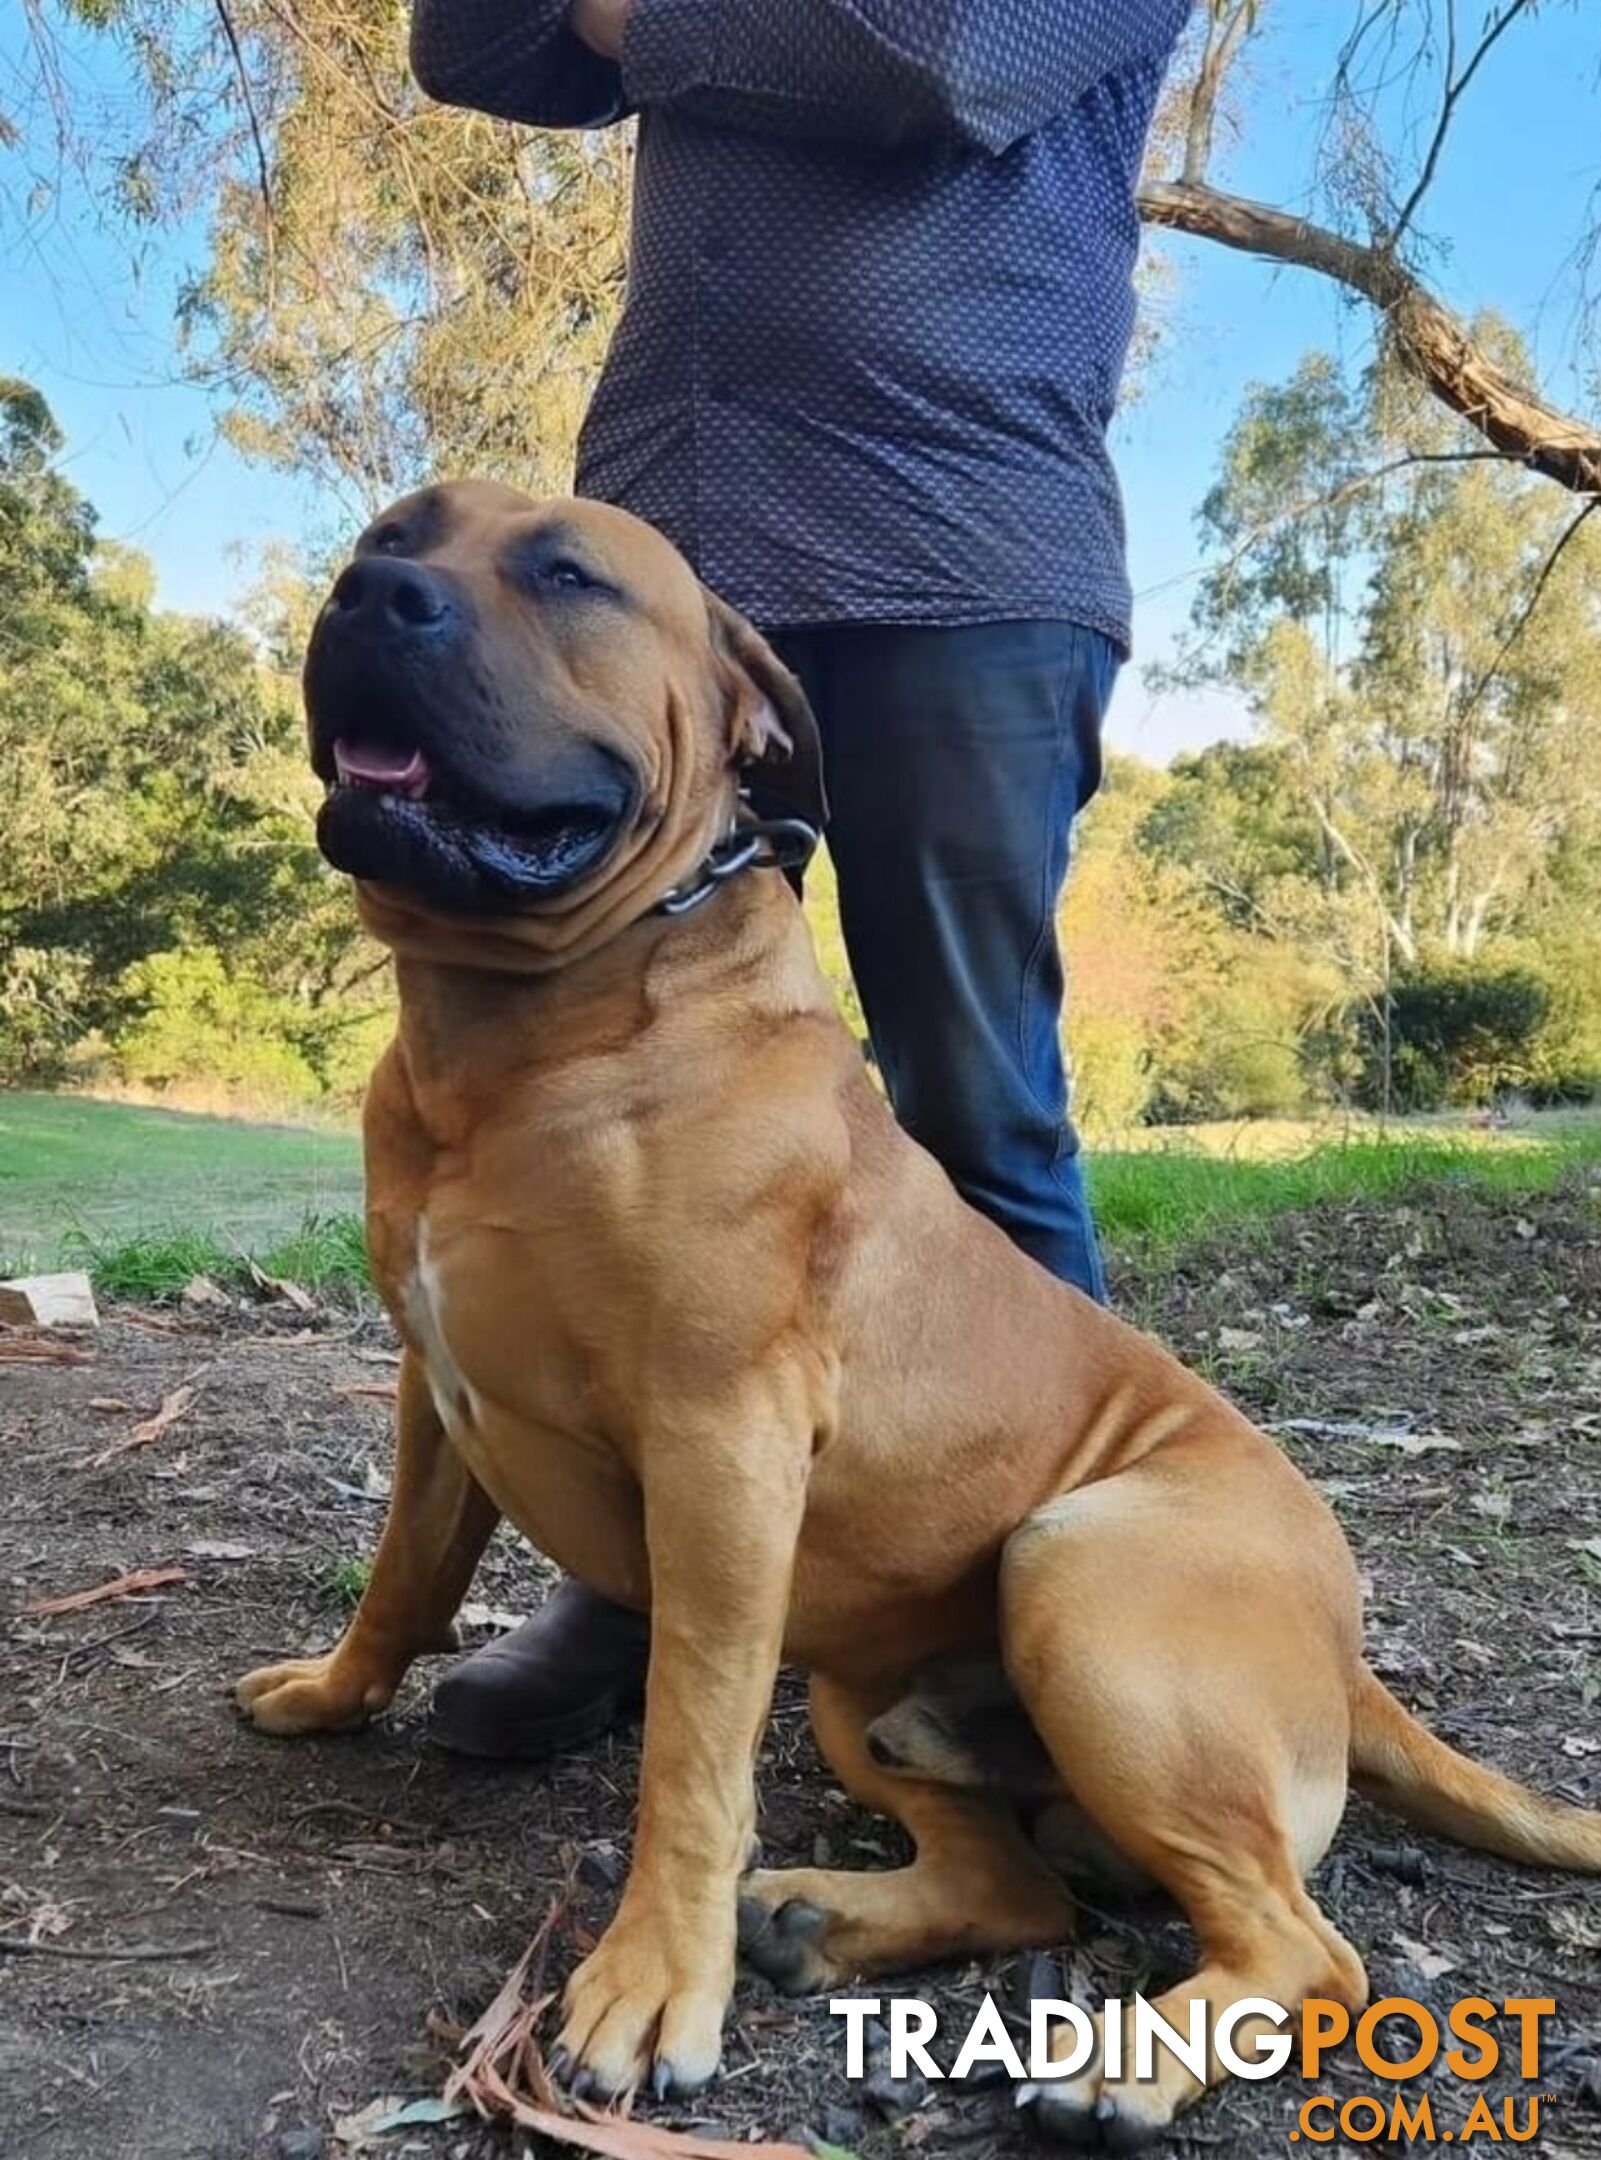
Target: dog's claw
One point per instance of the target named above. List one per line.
(661, 2080)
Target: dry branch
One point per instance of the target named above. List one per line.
(1433, 342)
(120, 1586)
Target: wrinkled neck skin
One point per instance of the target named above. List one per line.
(468, 1029)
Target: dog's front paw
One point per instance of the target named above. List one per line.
(645, 2009)
(325, 1694)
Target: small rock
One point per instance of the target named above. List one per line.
(600, 1865)
(893, 2097)
(842, 2125)
(300, 2145)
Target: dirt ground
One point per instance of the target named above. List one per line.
(1436, 1368)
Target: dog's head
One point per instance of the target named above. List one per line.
(533, 711)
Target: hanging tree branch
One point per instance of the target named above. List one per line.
(1429, 338)
(1455, 86)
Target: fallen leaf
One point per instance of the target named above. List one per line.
(1576, 1929)
(120, 1586)
(1576, 1745)
(220, 1549)
(379, 2117)
(201, 1290)
(492, 1616)
(1238, 1338)
(280, 1286)
(108, 1405)
(174, 1406)
(1497, 1505)
(1590, 1545)
(1430, 1963)
(1416, 1443)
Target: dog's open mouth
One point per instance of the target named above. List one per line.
(393, 817)
(372, 763)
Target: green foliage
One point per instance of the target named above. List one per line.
(393, 290)
(164, 915)
(1568, 1050)
(1418, 630)
(347, 1583)
(1457, 1034)
(195, 1019)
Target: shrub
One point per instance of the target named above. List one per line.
(41, 995)
(1460, 1033)
(1111, 1068)
(1568, 1048)
(196, 1020)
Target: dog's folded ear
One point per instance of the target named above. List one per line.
(772, 733)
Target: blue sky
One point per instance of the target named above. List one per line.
(93, 326)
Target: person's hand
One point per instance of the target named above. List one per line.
(600, 24)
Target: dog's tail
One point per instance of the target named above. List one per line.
(1399, 1765)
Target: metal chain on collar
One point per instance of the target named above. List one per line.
(752, 844)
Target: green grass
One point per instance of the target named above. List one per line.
(147, 1199)
(79, 1176)
(324, 1254)
(1158, 1201)
(346, 1583)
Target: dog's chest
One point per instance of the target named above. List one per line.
(424, 1303)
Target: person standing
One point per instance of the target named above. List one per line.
(879, 303)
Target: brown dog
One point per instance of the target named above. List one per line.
(681, 1301)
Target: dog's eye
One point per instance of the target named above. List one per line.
(387, 539)
(566, 574)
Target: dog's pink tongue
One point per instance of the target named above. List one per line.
(380, 764)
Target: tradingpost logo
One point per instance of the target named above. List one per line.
(1477, 2038)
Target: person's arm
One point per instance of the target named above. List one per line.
(979, 73)
(518, 59)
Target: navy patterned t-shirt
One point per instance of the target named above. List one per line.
(880, 286)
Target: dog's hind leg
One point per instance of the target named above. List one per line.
(438, 1524)
(1182, 1649)
(975, 1884)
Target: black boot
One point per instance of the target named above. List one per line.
(570, 1673)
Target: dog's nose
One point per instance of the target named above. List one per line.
(393, 595)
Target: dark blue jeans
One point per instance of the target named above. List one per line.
(957, 759)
